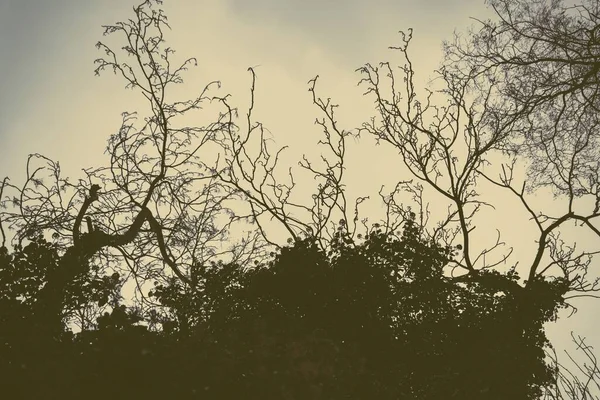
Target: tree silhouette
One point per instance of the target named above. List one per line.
(400, 309)
(535, 70)
(163, 205)
(535, 67)
(374, 318)
(359, 320)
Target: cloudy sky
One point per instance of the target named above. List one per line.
(51, 102)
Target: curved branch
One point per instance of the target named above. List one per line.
(157, 229)
(93, 196)
(4, 181)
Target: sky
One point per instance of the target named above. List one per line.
(51, 102)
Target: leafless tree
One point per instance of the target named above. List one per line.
(444, 146)
(157, 204)
(539, 60)
(519, 93)
(473, 133)
(579, 381)
(163, 207)
(253, 173)
(543, 60)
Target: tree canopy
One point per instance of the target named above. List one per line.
(377, 318)
(404, 308)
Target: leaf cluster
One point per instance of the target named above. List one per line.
(376, 318)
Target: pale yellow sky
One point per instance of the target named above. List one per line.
(51, 102)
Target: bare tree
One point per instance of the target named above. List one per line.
(581, 380)
(253, 173)
(163, 206)
(539, 60)
(518, 93)
(157, 204)
(444, 147)
(451, 143)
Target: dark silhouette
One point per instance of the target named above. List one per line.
(402, 309)
(373, 319)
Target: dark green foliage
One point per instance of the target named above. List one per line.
(381, 320)
(372, 320)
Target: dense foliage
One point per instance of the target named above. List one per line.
(404, 313)
(377, 318)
